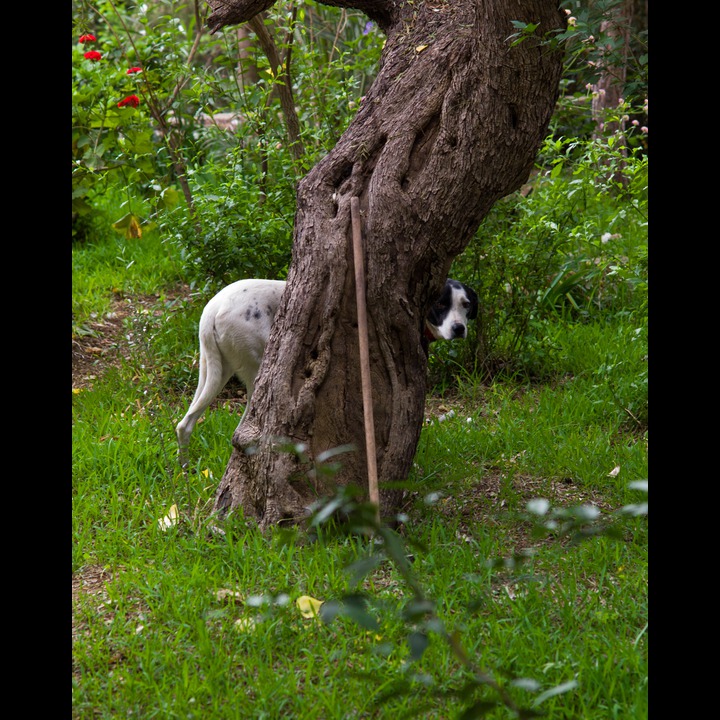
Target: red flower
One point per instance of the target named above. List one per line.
(93, 55)
(133, 70)
(87, 38)
(132, 100)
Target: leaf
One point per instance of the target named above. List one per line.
(420, 48)
(477, 710)
(225, 595)
(170, 197)
(418, 643)
(526, 684)
(538, 506)
(332, 452)
(395, 549)
(586, 512)
(417, 608)
(245, 624)
(170, 519)
(130, 224)
(350, 606)
(360, 568)
(363, 618)
(634, 509)
(557, 690)
(133, 229)
(123, 222)
(325, 512)
(614, 472)
(309, 607)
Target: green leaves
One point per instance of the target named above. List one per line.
(354, 606)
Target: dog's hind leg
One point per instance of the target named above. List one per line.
(213, 377)
(249, 387)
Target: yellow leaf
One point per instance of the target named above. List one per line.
(130, 224)
(133, 229)
(308, 606)
(170, 519)
(245, 624)
(225, 595)
(205, 472)
(420, 48)
(77, 391)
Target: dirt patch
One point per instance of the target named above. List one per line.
(103, 342)
(98, 347)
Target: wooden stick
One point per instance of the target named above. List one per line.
(364, 353)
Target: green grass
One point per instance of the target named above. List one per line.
(154, 641)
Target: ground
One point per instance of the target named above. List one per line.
(109, 346)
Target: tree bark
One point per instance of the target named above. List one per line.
(607, 92)
(247, 72)
(451, 124)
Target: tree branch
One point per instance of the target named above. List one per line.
(234, 12)
(282, 83)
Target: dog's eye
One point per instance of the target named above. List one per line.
(466, 304)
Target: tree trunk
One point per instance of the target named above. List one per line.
(246, 70)
(607, 92)
(451, 124)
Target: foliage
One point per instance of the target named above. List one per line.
(225, 196)
(573, 248)
(246, 219)
(346, 514)
(606, 33)
(600, 36)
(120, 95)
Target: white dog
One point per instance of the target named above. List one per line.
(235, 326)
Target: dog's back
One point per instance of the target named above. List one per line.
(237, 322)
(233, 331)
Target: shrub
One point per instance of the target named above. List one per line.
(571, 247)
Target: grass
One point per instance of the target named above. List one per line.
(152, 637)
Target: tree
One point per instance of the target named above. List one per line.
(451, 124)
(616, 28)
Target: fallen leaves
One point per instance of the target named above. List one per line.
(170, 519)
(309, 606)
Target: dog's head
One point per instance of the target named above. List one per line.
(448, 317)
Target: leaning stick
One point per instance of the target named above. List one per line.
(364, 353)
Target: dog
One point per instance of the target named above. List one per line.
(235, 326)
(448, 316)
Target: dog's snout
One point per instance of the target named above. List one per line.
(458, 330)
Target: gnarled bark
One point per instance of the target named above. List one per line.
(451, 124)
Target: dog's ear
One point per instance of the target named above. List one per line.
(472, 296)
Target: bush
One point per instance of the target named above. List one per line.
(571, 247)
